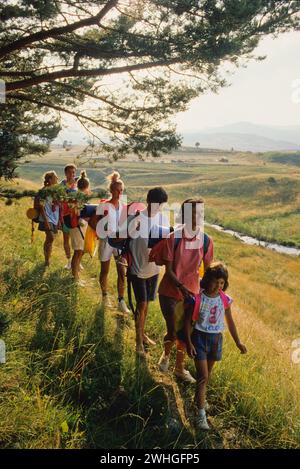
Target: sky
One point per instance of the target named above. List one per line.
(263, 93)
(266, 92)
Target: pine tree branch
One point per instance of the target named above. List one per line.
(115, 127)
(51, 33)
(69, 73)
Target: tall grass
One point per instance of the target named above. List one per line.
(72, 379)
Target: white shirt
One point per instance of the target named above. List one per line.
(212, 314)
(109, 224)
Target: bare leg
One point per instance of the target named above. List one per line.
(48, 247)
(121, 280)
(203, 368)
(67, 245)
(168, 309)
(180, 356)
(210, 364)
(76, 263)
(139, 325)
(147, 339)
(104, 276)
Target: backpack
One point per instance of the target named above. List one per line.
(122, 244)
(156, 253)
(33, 215)
(196, 301)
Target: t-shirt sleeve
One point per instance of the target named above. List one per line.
(228, 301)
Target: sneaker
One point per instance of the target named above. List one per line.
(122, 306)
(163, 363)
(185, 376)
(106, 301)
(68, 264)
(201, 422)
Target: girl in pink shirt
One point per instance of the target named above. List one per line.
(183, 254)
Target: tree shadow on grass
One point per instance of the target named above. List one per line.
(57, 305)
(19, 282)
(120, 403)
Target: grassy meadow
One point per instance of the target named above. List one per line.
(264, 193)
(72, 379)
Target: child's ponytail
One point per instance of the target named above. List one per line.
(83, 182)
(114, 178)
(47, 177)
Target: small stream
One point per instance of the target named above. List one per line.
(256, 242)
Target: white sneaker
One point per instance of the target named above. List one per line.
(106, 301)
(122, 306)
(163, 363)
(185, 376)
(68, 264)
(201, 422)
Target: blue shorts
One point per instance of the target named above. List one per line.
(42, 227)
(208, 346)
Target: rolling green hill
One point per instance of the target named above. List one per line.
(250, 194)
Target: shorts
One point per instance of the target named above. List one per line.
(42, 227)
(144, 288)
(105, 251)
(77, 237)
(65, 229)
(208, 346)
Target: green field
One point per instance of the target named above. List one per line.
(72, 379)
(250, 194)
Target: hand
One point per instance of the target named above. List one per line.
(186, 293)
(242, 347)
(191, 351)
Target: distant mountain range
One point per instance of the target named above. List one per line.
(245, 136)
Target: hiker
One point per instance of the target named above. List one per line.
(48, 216)
(204, 340)
(70, 183)
(116, 210)
(144, 274)
(182, 256)
(77, 233)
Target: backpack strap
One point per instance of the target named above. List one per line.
(196, 302)
(206, 242)
(197, 305)
(225, 299)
